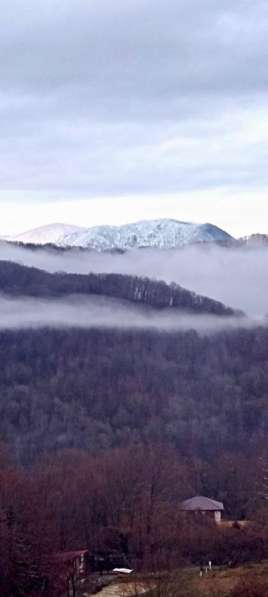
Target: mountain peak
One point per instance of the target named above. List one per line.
(50, 233)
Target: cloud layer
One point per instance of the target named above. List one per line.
(99, 312)
(136, 96)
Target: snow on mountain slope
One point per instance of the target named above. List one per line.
(52, 233)
(164, 234)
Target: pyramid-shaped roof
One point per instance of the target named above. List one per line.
(202, 503)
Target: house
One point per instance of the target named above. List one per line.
(205, 506)
(76, 561)
(71, 568)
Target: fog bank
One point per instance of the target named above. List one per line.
(236, 277)
(99, 312)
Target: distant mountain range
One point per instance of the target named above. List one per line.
(162, 234)
(254, 240)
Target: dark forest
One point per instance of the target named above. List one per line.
(105, 431)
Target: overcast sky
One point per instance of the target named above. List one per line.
(115, 110)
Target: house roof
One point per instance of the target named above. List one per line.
(67, 556)
(202, 503)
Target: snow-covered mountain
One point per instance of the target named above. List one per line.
(163, 234)
(52, 233)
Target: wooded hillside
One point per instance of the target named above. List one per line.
(17, 280)
(98, 389)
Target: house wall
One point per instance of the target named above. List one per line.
(217, 516)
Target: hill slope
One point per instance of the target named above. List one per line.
(97, 389)
(51, 234)
(17, 280)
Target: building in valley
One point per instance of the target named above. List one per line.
(205, 506)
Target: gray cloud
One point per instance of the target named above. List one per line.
(109, 97)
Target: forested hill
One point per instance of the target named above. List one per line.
(18, 280)
(99, 389)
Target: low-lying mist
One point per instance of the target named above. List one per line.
(236, 277)
(99, 312)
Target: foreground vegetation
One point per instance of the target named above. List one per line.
(242, 581)
(249, 580)
(124, 505)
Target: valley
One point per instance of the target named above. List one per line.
(123, 394)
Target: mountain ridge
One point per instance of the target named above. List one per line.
(160, 233)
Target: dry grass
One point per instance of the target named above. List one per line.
(222, 582)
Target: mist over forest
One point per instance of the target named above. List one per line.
(102, 312)
(234, 276)
(91, 361)
(130, 382)
(122, 388)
